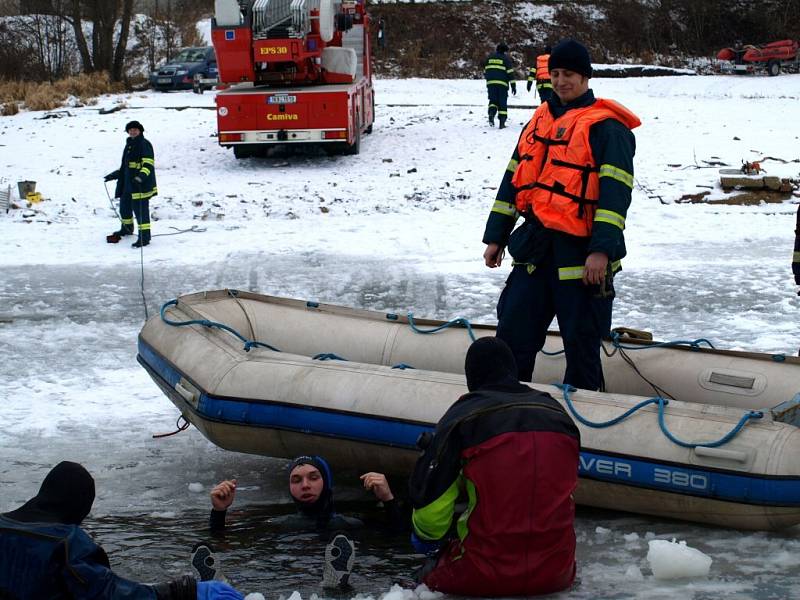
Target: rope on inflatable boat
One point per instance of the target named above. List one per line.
(253, 343)
(662, 403)
(615, 341)
(328, 356)
(694, 344)
(206, 323)
(452, 323)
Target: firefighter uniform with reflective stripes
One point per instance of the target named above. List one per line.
(541, 75)
(499, 74)
(136, 184)
(571, 178)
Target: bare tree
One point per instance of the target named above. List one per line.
(105, 16)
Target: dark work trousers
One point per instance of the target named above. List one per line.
(141, 208)
(126, 212)
(498, 101)
(526, 308)
(544, 93)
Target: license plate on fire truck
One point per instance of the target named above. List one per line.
(282, 99)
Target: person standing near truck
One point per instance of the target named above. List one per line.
(136, 184)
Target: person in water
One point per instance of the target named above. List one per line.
(311, 490)
(44, 552)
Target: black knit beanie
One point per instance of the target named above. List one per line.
(133, 124)
(489, 361)
(571, 55)
(502, 47)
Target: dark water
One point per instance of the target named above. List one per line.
(71, 389)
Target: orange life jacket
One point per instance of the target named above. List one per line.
(557, 177)
(542, 72)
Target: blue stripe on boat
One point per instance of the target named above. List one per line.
(729, 486)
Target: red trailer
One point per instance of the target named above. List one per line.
(293, 72)
(770, 57)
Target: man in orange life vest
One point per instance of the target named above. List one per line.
(570, 177)
(541, 75)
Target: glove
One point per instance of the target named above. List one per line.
(216, 590)
(111, 176)
(426, 547)
(530, 84)
(137, 179)
(513, 88)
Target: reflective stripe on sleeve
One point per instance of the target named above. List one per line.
(504, 208)
(609, 216)
(512, 165)
(796, 257)
(616, 173)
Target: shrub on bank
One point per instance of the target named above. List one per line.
(49, 96)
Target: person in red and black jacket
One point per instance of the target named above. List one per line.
(511, 453)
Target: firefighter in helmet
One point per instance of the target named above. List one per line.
(136, 184)
(570, 177)
(499, 74)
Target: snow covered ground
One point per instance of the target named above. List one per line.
(397, 227)
(419, 192)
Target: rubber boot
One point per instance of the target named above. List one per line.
(115, 237)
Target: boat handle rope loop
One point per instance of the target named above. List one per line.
(206, 323)
(615, 341)
(662, 403)
(460, 321)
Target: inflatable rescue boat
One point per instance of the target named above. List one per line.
(682, 431)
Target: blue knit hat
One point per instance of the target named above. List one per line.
(571, 55)
(322, 508)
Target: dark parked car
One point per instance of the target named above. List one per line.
(179, 73)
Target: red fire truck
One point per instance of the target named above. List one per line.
(293, 72)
